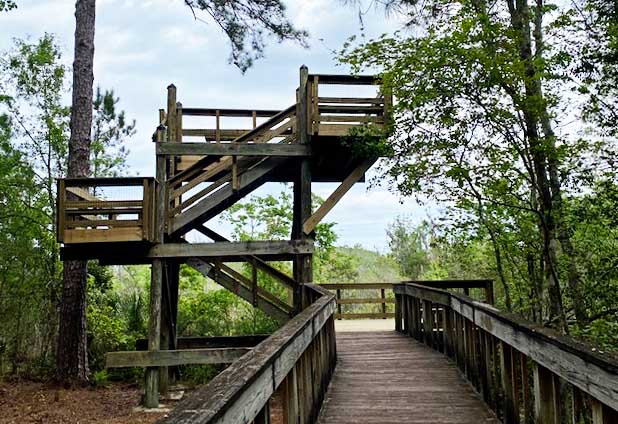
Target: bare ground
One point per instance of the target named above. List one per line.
(26, 402)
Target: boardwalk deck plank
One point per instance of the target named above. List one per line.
(384, 377)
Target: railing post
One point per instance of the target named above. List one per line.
(546, 396)
(446, 330)
(528, 409)
(339, 304)
(263, 417)
(290, 398)
(398, 312)
(405, 313)
(511, 414)
(61, 195)
(427, 323)
(603, 414)
(151, 396)
(409, 300)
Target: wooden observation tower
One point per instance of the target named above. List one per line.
(201, 172)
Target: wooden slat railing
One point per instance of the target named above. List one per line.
(297, 361)
(86, 214)
(525, 373)
(336, 116)
(378, 294)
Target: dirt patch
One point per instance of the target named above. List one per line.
(27, 402)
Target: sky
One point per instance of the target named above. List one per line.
(142, 46)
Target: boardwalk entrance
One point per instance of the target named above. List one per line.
(385, 377)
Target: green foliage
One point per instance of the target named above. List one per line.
(110, 130)
(247, 23)
(368, 141)
(6, 5)
(33, 149)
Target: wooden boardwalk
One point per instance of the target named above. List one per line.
(384, 377)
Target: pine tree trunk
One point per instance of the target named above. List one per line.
(72, 353)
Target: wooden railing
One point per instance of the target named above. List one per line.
(335, 115)
(353, 298)
(105, 209)
(296, 362)
(377, 294)
(525, 373)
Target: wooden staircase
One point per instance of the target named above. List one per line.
(198, 180)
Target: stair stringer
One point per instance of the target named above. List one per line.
(265, 305)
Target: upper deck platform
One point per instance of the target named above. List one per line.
(209, 158)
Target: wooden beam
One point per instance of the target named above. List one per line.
(262, 265)
(356, 286)
(213, 342)
(310, 224)
(238, 113)
(224, 249)
(348, 79)
(224, 197)
(169, 358)
(235, 287)
(234, 149)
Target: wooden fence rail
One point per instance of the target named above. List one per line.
(297, 361)
(378, 295)
(524, 372)
(105, 209)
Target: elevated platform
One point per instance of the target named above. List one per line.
(210, 158)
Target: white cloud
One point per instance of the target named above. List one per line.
(143, 45)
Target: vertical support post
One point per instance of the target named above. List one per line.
(383, 297)
(218, 126)
(263, 417)
(398, 311)
(603, 414)
(151, 396)
(489, 292)
(446, 330)
(405, 314)
(290, 398)
(511, 413)
(172, 123)
(409, 308)
(254, 283)
(303, 264)
(415, 317)
(487, 379)
(169, 315)
(525, 390)
(427, 323)
(60, 213)
(339, 304)
(546, 396)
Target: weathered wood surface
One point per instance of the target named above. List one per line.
(233, 149)
(173, 357)
(384, 377)
(239, 393)
(498, 351)
(210, 342)
(224, 249)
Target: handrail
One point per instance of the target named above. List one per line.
(298, 360)
(378, 299)
(497, 351)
